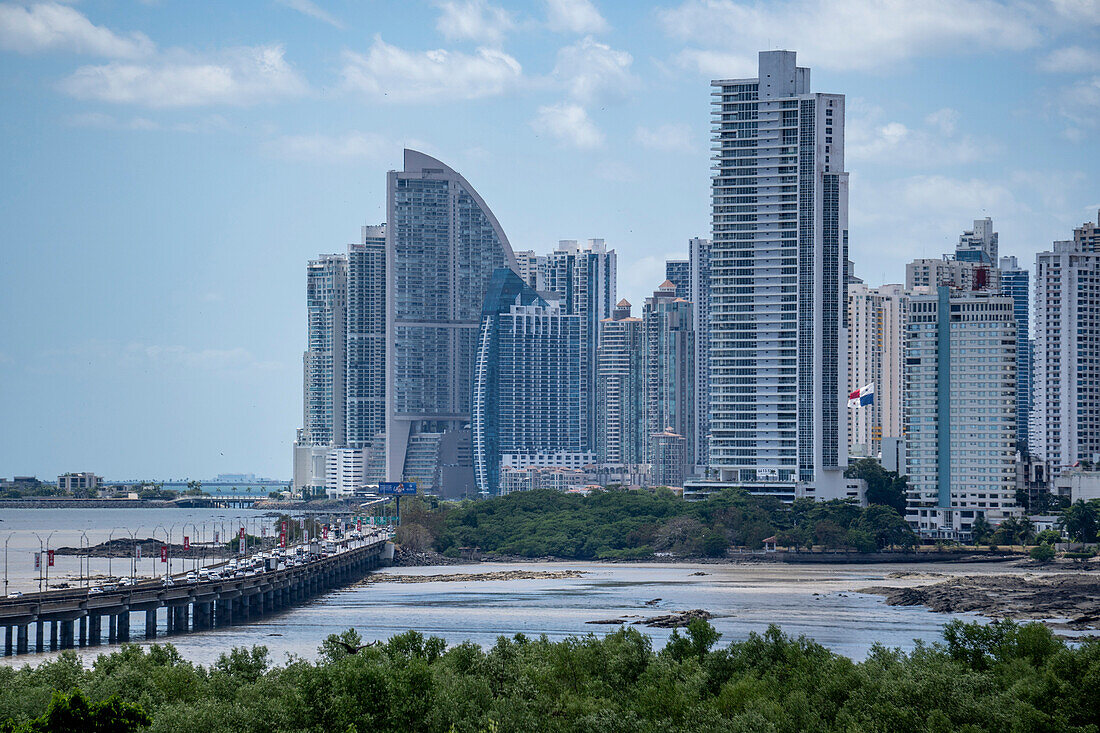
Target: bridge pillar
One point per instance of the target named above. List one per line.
(112, 628)
(124, 626)
(21, 639)
(181, 619)
(242, 610)
(67, 634)
(53, 636)
(39, 645)
(94, 630)
(9, 648)
(223, 614)
(202, 613)
(151, 623)
(169, 621)
(83, 632)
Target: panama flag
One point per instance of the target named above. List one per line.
(862, 396)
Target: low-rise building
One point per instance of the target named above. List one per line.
(83, 481)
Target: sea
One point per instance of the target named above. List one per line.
(822, 602)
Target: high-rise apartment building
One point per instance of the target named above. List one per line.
(678, 272)
(620, 390)
(978, 244)
(527, 380)
(442, 246)
(583, 278)
(1016, 284)
(1065, 426)
(973, 265)
(669, 369)
(778, 332)
(875, 358)
(365, 374)
(324, 398)
(699, 292)
(533, 268)
(959, 410)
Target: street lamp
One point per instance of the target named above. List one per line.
(133, 553)
(44, 562)
(83, 561)
(10, 534)
(191, 544)
(111, 550)
(167, 543)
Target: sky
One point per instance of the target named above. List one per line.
(169, 167)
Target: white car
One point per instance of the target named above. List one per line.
(94, 590)
(192, 578)
(15, 594)
(126, 582)
(168, 581)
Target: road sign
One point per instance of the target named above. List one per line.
(397, 488)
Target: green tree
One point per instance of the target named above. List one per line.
(980, 530)
(1042, 553)
(76, 714)
(883, 487)
(886, 527)
(1079, 521)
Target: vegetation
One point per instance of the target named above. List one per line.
(997, 677)
(883, 487)
(1081, 520)
(1042, 553)
(623, 524)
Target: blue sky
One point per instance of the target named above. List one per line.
(169, 167)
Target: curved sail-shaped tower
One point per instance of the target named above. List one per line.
(442, 245)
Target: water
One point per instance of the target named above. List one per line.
(818, 601)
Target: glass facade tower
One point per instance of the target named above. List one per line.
(442, 246)
(778, 331)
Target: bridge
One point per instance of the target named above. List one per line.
(224, 501)
(75, 616)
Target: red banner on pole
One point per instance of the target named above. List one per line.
(164, 553)
(186, 542)
(324, 532)
(359, 524)
(282, 539)
(38, 561)
(49, 558)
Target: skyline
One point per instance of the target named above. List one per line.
(148, 340)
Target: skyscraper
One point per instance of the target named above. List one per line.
(959, 410)
(366, 338)
(583, 278)
(699, 290)
(324, 399)
(973, 265)
(669, 378)
(778, 337)
(678, 272)
(874, 357)
(620, 390)
(1065, 425)
(527, 382)
(442, 246)
(978, 244)
(1015, 283)
(533, 268)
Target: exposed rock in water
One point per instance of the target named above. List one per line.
(404, 557)
(608, 621)
(654, 602)
(1031, 597)
(674, 620)
(700, 572)
(467, 577)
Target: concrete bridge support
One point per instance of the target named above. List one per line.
(53, 636)
(180, 621)
(124, 626)
(9, 639)
(21, 639)
(67, 634)
(112, 628)
(95, 629)
(83, 632)
(151, 623)
(39, 636)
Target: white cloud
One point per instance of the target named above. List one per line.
(568, 124)
(592, 71)
(1086, 11)
(853, 34)
(474, 20)
(1080, 102)
(51, 26)
(238, 76)
(671, 138)
(350, 147)
(870, 137)
(1072, 59)
(718, 64)
(394, 74)
(574, 16)
(182, 356)
(311, 9)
